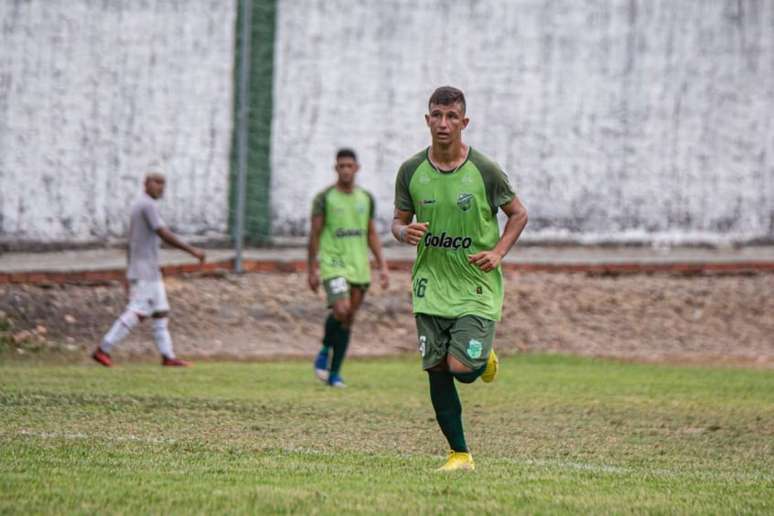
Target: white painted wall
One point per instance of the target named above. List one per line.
(91, 92)
(618, 120)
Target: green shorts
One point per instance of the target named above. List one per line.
(468, 339)
(338, 288)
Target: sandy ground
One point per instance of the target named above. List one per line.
(652, 318)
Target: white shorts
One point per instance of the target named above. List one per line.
(147, 297)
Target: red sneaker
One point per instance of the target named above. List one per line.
(174, 362)
(102, 357)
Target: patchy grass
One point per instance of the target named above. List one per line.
(552, 434)
(5, 334)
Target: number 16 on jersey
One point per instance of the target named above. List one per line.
(420, 286)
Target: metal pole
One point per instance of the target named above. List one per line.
(244, 109)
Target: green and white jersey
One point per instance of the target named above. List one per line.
(460, 208)
(344, 239)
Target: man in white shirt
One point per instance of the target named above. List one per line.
(147, 296)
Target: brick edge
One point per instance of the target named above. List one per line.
(107, 276)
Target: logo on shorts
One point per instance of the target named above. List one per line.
(464, 201)
(422, 345)
(338, 286)
(474, 348)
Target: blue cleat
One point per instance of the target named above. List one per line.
(321, 366)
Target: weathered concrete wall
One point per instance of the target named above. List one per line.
(91, 92)
(617, 119)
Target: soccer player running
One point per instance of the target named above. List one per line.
(455, 191)
(342, 231)
(147, 296)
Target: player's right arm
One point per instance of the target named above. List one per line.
(406, 231)
(403, 229)
(313, 247)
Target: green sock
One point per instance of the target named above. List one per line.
(448, 409)
(340, 344)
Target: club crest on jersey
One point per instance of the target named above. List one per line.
(464, 201)
(444, 241)
(474, 348)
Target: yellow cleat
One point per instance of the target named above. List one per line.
(492, 366)
(458, 461)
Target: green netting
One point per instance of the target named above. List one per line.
(257, 228)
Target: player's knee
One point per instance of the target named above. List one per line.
(469, 376)
(456, 366)
(130, 319)
(341, 311)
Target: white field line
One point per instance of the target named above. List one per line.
(101, 437)
(558, 464)
(657, 472)
(580, 466)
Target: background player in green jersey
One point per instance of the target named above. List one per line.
(455, 192)
(342, 231)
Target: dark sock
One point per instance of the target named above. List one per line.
(448, 409)
(340, 344)
(469, 377)
(332, 326)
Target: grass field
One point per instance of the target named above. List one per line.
(551, 435)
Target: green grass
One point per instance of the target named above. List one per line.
(551, 435)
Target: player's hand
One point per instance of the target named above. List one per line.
(314, 280)
(384, 278)
(485, 260)
(413, 233)
(199, 255)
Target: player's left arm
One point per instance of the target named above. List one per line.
(517, 220)
(375, 244)
(170, 238)
(151, 215)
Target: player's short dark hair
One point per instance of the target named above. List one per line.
(346, 153)
(446, 96)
